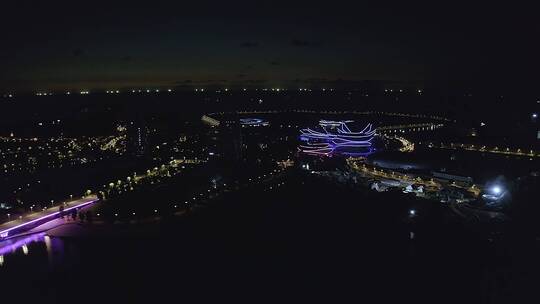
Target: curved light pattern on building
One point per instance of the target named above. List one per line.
(332, 123)
(336, 137)
(253, 122)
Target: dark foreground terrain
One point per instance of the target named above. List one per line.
(309, 240)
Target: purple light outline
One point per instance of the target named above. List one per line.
(332, 141)
(344, 133)
(5, 233)
(19, 243)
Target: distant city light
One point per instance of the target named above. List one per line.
(534, 115)
(412, 212)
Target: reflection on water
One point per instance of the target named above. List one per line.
(40, 244)
(16, 243)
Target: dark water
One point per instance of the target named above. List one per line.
(309, 241)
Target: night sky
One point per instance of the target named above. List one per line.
(57, 45)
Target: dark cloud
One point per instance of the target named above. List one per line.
(254, 81)
(305, 43)
(249, 44)
(78, 52)
(199, 82)
(183, 81)
(210, 81)
(357, 41)
(317, 80)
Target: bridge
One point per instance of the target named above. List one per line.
(32, 220)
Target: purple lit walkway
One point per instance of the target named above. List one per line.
(31, 220)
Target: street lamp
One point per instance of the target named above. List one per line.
(495, 193)
(496, 190)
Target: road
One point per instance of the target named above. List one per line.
(27, 222)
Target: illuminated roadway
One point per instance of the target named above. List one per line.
(480, 148)
(27, 222)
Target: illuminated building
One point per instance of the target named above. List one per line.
(337, 138)
(253, 122)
